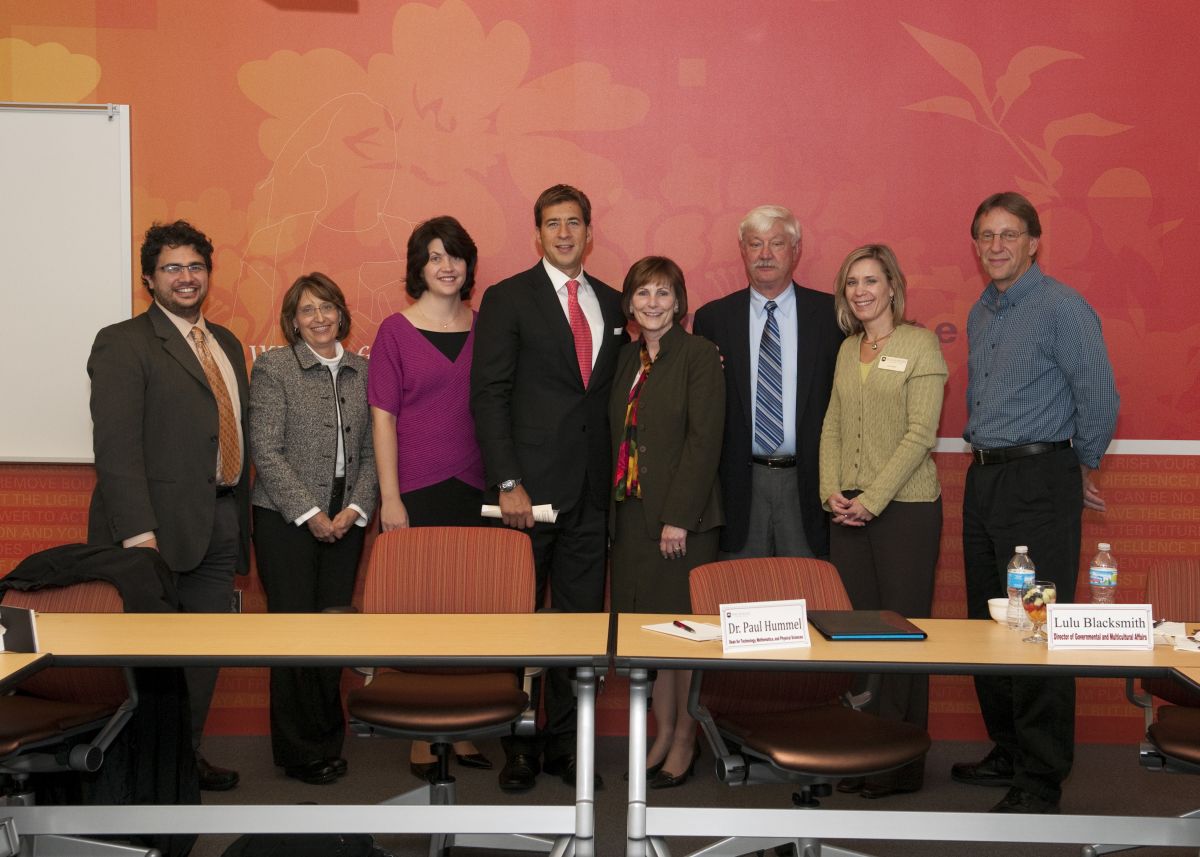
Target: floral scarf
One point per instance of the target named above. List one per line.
(626, 479)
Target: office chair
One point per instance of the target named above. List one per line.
(447, 570)
(1172, 740)
(64, 718)
(786, 726)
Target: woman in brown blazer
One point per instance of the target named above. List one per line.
(667, 414)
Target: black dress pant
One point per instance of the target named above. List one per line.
(569, 557)
(1035, 501)
(208, 588)
(889, 565)
(303, 575)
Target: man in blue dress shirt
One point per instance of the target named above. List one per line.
(1042, 407)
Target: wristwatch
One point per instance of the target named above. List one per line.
(508, 485)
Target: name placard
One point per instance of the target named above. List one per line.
(1100, 626)
(762, 625)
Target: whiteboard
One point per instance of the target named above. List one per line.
(65, 268)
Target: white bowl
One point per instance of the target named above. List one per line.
(998, 607)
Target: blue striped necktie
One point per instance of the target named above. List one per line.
(768, 400)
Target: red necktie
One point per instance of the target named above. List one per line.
(581, 330)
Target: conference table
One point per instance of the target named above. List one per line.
(953, 647)
(14, 666)
(576, 640)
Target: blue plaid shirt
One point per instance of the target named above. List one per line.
(1038, 369)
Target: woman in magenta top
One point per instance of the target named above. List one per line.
(430, 468)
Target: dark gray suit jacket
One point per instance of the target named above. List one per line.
(681, 415)
(155, 439)
(726, 321)
(533, 417)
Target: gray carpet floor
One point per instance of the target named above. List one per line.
(1107, 780)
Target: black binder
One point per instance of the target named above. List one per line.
(864, 625)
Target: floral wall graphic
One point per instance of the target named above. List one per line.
(307, 136)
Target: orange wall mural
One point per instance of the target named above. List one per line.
(313, 134)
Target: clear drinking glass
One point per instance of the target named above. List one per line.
(1038, 595)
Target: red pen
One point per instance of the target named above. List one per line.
(687, 628)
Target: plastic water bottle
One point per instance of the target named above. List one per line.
(1020, 575)
(1103, 575)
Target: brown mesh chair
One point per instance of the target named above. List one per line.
(447, 570)
(796, 727)
(64, 718)
(1173, 736)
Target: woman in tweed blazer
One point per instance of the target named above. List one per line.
(877, 477)
(310, 438)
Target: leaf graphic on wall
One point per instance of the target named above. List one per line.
(951, 105)
(954, 57)
(1039, 193)
(1051, 166)
(1016, 80)
(1080, 125)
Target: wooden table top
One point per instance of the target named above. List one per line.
(134, 639)
(15, 665)
(954, 646)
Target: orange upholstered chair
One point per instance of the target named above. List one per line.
(85, 705)
(772, 726)
(1172, 740)
(446, 570)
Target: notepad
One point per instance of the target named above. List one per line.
(864, 625)
(701, 631)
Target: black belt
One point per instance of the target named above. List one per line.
(225, 491)
(775, 461)
(1011, 453)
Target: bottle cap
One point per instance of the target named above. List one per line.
(1022, 549)
(1104, 546)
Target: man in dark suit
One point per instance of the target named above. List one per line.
(169, 399)
(546, 345)
(779, 342)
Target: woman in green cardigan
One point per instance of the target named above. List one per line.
(878, 479)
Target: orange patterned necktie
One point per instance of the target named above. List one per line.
(581, 330)
(227, 434)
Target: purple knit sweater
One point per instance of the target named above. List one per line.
(430, 396)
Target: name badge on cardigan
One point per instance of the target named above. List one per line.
(893, 364)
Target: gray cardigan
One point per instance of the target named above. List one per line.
(293, 431)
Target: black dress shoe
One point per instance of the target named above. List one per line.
(338, 764)
(851, 785)
(875, 789)
(1019, 800)
(423, 770)
(651, 772)
(318, 772)
(994, 769)
(519, 773)
(565, 767)
(214, 779)
(474, 760)
(664, 779)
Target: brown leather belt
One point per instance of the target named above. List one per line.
(1011, 453)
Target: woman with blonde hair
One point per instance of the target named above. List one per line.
(878, 479)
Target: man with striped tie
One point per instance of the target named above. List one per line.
(779, 342)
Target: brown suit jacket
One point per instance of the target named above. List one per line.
(155, 439)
